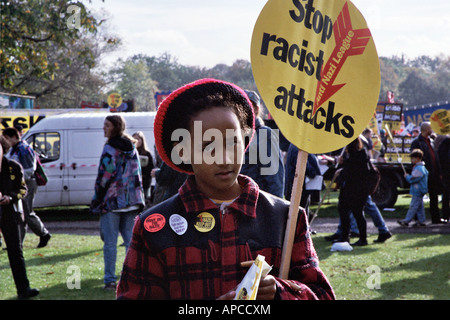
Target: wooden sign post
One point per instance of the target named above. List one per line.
(297, 187)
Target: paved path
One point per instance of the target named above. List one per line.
(321, 225)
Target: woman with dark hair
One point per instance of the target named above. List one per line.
(146, 159)
(353, 193)
(118, 194)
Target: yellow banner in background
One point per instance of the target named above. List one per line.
(26, 121)
(440, 121)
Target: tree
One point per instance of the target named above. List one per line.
(73, 81)
(418, 81)
(133, 81)
(33, 30)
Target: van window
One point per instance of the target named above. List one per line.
(46, 145)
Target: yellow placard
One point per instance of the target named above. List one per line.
(440, 121)
(317, 69)
(114, 100)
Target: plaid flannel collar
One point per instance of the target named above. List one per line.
(194, 200)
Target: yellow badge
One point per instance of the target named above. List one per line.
(205, 222)
(316, 67)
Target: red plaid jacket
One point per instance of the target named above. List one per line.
(160, 264)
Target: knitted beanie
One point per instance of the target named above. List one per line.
(175, 112)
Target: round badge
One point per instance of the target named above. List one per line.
(154, 222)
(205, 222)
(178, 224)
(316, 67)
(114, 99)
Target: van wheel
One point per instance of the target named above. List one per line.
(386, 194)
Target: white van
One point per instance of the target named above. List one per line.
(70, 146)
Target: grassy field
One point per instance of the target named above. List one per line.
(409, 266)
(50, 269)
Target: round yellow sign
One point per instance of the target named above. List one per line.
(205, 222)
(114, 100)
(440, 121)
(316, 67)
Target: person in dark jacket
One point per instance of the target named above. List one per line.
(262, 159)
(146, 159)
(192, 245)
(353, 192)
(12, 190)
(168, 181)
(22, 153)
(431, 159)
(444, 158)
(312, 170)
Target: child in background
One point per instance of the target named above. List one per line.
(418, 180)
(192, 245)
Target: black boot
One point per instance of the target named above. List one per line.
(28, 293)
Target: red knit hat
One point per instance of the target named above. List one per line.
(189, 100)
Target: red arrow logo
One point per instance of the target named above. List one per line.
(349, 42)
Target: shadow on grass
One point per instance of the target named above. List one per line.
(40, 259)
(90, 289)
(323, 248)
(428, 241)
(434, 283)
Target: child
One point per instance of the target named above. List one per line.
(191, 246)
(419, 187)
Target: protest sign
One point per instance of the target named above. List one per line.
(440, 121)
(316, 67)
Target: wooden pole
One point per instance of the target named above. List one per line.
(291, 224)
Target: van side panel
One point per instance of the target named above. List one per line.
(82, 165)
(71, 162)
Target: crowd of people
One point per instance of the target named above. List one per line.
(173, 249)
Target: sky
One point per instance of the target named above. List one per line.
(208, 32)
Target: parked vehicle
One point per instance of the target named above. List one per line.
(69, 147)
(391, 183)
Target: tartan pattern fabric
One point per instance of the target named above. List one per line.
(206, 265)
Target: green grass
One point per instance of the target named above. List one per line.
(409, 266)
(412, 266)
(49, 268)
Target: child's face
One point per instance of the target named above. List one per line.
(415, 160)
(217, 156)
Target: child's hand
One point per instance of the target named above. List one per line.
(228, 296)
(267, 288)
